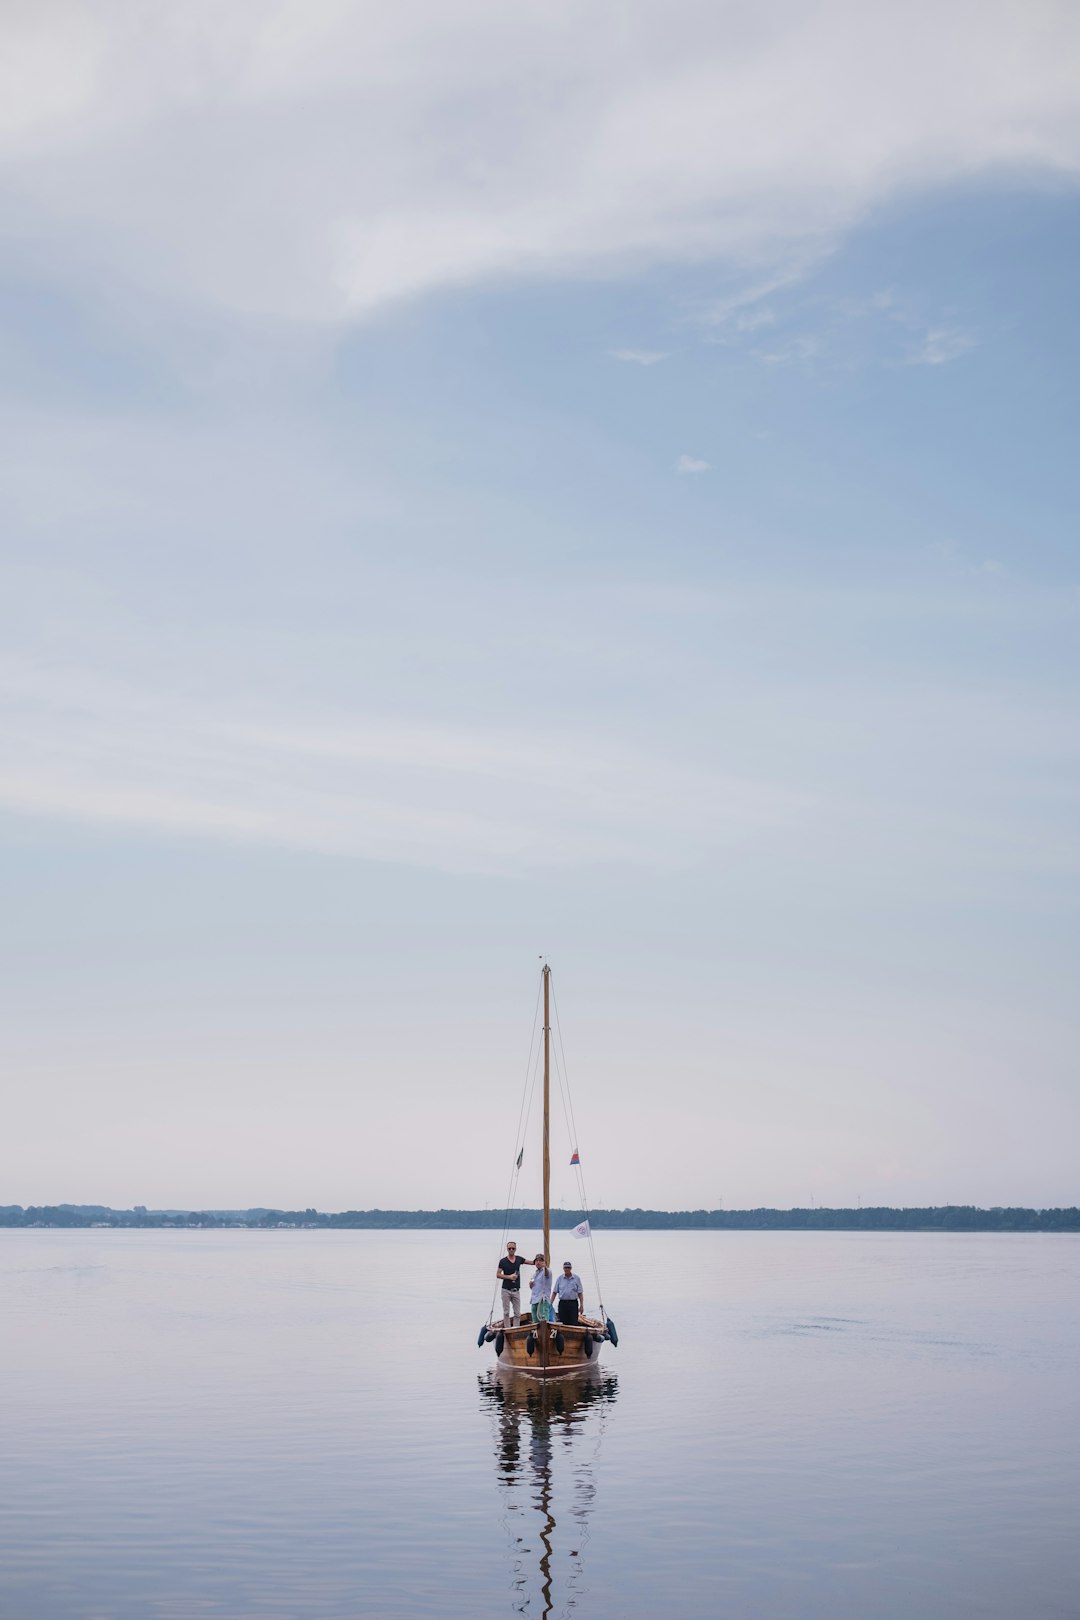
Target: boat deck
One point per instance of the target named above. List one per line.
(557, 1348)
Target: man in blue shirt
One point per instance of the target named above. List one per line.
(569, 1295)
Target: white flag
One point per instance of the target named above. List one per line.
(582, 1230)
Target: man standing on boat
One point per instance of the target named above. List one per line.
(569, 1295)
(509, 1274)
(539, 1297)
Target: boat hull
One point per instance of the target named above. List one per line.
(546, 1359)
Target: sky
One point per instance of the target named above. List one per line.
(484, 484)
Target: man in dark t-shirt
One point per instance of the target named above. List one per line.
(509, 1275)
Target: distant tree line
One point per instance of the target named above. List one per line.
(937, 1218)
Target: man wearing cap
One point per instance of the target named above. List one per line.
(569, 1295)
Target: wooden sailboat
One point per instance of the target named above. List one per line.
(549, 1349)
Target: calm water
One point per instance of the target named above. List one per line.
(250, 1424)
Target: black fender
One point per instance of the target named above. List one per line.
(611, 1333)
(482, 1335)
(587, 1345)
(530, 1344)
(500, 1340)
(560, 1342)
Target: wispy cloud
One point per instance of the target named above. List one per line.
(741, 308)
(802, 328)
(940, 345)
(459, 798)
(753, 320)
(379, 155)
(799, 350)
(639, 357)
(691, 464)
(959, 560)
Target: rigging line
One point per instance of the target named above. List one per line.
(528, 1064)
(595, 1270)
(525, 1103)
(562, 1048)
(532, 1098)
(515, 1175)
(564, 1092)
(586, 1209)
(569, 1094)
(562, 1095)
(569, 1097)
(525, 1120)
(563, 1089)
(581, 1173)
(519, 1144)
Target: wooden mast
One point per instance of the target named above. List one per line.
(547, 1122)
(548, 1349)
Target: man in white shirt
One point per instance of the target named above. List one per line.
(569, 1295)
(539, 1294)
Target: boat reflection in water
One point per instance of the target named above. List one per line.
(547, 1440)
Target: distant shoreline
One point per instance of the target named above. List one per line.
(937, 1218)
